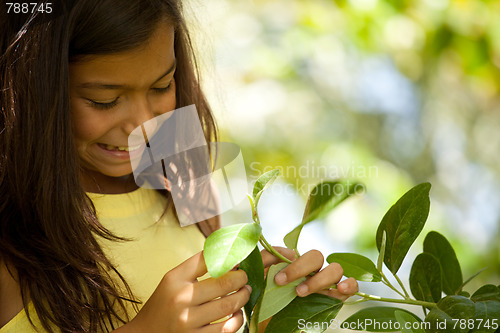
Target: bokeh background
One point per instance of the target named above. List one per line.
(387, 92)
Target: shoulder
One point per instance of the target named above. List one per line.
(10, 294)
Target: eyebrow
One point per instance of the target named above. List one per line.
(107, 86)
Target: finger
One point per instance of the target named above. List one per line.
(334, 293)
(231, 325)
(348, 287)
(331, 274)
(269, 259)
(212, 288)
(219, 308)
(190, 269)
(309, 262)
(345, 289)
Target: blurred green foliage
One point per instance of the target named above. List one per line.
(391, 93)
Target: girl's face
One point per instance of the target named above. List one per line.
(110, 95)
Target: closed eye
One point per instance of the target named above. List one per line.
(103, 106)
(163, 90)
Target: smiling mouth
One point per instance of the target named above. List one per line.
(119, 148)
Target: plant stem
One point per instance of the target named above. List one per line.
(390, 286)
(425, 311)
(469, 279)
(268, 247)
(361, 300)
(395, 300)
(265, 244)
(271, 250)
(255, 215)
(386, 281)
(402, 286)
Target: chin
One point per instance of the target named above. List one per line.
(117, 173)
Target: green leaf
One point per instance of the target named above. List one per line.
(254, 268)
(486, 292)
(405, 319)
(425, 278)
(403, 222)
(254, 322)
(375, 319)
(437, 245)
(357, 266)
(441, 317)
(487, 306)
(323, 198)
(228, 246)
(486, 311)
(263, 182)
(292, 238)
(380, 260)
(276, 297)
(302, 314)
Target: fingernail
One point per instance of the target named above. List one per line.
(280, 278)
(302, 289)
(249, 288)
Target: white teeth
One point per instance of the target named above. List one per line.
(129, 149)
(133, 148)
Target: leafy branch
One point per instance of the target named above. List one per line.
(435, 271)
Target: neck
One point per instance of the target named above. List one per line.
(96, 182)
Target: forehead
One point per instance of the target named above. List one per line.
(136, 67)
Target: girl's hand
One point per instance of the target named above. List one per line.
(309, 262)
(181, 303)
(312, 261)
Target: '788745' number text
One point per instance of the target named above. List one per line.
(28, 7)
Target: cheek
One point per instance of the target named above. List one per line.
(86, 125)
(168, 101)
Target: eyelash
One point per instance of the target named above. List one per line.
(110, 105)
(163, 90)
(103, 106)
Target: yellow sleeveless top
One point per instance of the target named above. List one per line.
(158, 244)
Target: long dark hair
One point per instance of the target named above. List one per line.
(47, 223)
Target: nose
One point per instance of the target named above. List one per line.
(139, 114)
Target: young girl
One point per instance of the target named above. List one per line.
(82, 248)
